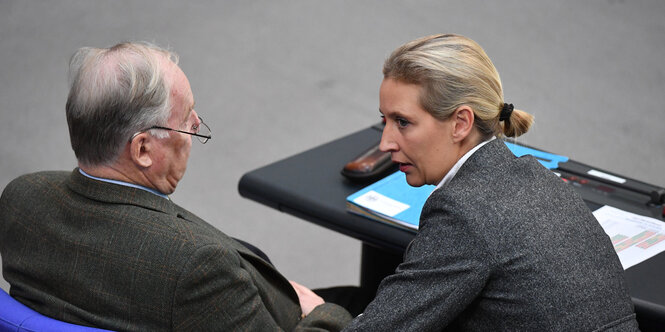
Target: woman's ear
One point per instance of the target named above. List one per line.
(140, 150)
(463, 119)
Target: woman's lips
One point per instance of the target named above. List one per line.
(404, 167)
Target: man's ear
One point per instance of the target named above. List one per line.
(463, 119)
(140, 150)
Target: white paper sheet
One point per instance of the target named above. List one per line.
(635, 238)
(380, 203)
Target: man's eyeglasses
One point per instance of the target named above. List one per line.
(202, 131)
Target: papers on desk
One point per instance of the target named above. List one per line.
(635, 238)
(392, 200)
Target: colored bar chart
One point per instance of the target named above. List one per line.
(651, 241)
(633, 240)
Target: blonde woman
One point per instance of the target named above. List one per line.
(503, 244)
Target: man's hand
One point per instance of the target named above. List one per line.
(308, 299)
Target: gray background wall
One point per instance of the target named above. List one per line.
(273, 78)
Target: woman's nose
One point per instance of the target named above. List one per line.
(387, 143)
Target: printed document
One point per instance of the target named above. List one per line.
(635, 238)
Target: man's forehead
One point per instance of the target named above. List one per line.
(182, 99)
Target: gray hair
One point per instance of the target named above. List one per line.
(452, 71)
(114, 93)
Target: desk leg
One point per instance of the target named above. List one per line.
(375, 265)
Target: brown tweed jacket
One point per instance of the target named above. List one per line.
(110, 256)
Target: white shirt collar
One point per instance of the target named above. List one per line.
(453, 171)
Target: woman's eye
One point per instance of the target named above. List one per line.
(402, 123)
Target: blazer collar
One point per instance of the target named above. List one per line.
(118, 194)
(490, 155)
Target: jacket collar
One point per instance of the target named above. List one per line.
(488, 158)
(118, 194)
(494, 149)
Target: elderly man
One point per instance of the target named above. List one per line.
(104, 246)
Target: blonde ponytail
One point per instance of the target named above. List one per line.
(517, 124)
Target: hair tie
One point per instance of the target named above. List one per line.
(506, 111)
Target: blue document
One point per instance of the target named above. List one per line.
(549, 160)
(391, 200)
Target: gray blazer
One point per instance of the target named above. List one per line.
(505, 246)
(110, 256)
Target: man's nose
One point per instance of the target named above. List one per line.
(197, 120)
